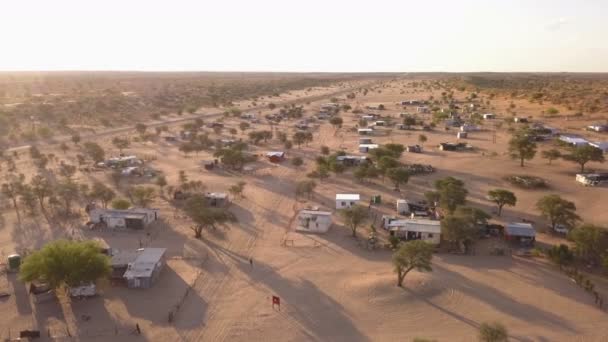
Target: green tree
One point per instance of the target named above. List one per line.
(68, 191)
(385, 163)
(141, 128)
(584, 154)
(398, 175)
(142, 195)
(28, 199)
(459, 230)
(324, 150)
(451, 193)
(42, 189)
(415, 254)
(121, 204)
(422, 139)
(243, 126)
(76, 139)
(11, 190)
(305, 187)
(558, 211)
(560, 255)
(502, 197)
(300, 138)
(590, 242)
(493, 332)
(551, 155)
(205, 217)
(297, 161)
(94, 151)
(337, 122)
(522, 147)
(161, 182)
(354, 217)
(102, 193)
(67, 171)
(121, 143)
(237, 189)
(66, 263)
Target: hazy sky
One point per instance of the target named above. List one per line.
(305, 35)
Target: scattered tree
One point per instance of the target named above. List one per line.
(415, 254)
(121, 204)
(398, 175)
(237, 189)
(560, 255)
(551, 155)
(558, 211)
(297, 161)
(65, 263)
(121, 143)
(94, 151)
(590, 242)
(76, 139)
(204, 216)
(451, 193)
(305, 187)
(142, 195)
(584, 154)
(102, 193)
(522, 147)
(502, 197)
(354, 217)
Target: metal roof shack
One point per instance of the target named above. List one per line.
(348, 197)
(520, 229)
(146, 267)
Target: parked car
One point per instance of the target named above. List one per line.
(561, 229)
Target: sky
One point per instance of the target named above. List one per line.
(305, 35)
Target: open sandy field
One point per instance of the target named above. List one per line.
(331, 287)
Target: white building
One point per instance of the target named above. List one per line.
(364, 148)
(422, 109)
(134, 218)
(313, 221)
(403, 208)
(489, 116)
(365, 131)
(602, 145)
(573, 140)
(346, 200)
(416, 229)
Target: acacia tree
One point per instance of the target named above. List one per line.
(42, 189)
(591, 242)
(305, 187)
(502, 197)
(558, 211)
(66, 263)
(237, 189)
(94, 151)
(458, 230)
(102, 193)
(398, 175)
(142, 195)
(11, 190)
(415, 254)
(584, 154)
(161, 182)
(68, 191)
(450, 193)
(551, 155)
(354, 217)
(121, 143)
(336, 121)
(205, 217)
(522, 147)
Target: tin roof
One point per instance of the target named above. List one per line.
(348, 197)
(416, 225)
(520, 229)
(145, 262)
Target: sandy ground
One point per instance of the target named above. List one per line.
(331, 288)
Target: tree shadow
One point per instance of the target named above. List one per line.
(503, 302)
(317, 316)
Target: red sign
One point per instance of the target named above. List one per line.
(276, 300)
